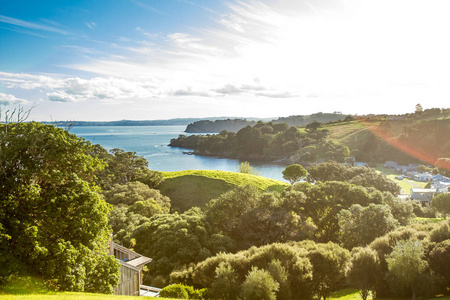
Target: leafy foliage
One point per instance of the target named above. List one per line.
(406, 263)
(441, 203)
(246, 168)
(361, 225)
(123, 167)
(174, 241)
(363, 176)
(440, 259)
(364, 269)
(293, 259)
(298, 269)
(258, 285)
(251, 218)
(263, 141)
(181, 291)
(54, 223)
(294, 173)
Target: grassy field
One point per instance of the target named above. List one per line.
(28, 288)
(348, 134)
(196, 188)
(65, 296)
(405, 184)
(346, 294)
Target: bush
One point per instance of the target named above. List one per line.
(179, 291)
(259, 285)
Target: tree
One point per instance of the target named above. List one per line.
(259, 285)
(361, 225)
(294, 173)
(405, 264)
(442, 203)
(280, 274)
(363, 176)
(364, 270)
(440, 259)
(225, 212)
(132, 192)
(54, 224)
(174, 241)
(330, 262)
(287, 262)
(226, 282)
(313, 126)
(246, 168)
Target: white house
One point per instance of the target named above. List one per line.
(424, 196)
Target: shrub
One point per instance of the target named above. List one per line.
(179, 291)
(259, 285)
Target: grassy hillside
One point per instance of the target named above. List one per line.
(347, 133)
(358, 134)
(196, 188)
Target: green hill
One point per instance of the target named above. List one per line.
(424, 137)
(196, 188)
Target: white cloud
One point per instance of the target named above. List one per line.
(358, 49)
(32, 25)
(8, 99)
(148, 7)
(189, 92)
(91, 25)
(75, 89)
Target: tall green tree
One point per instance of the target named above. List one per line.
(361, 225)
(259, 285)
(54, 222)
(226, 282)
(441, 203)
(294, 173)
(440, 259)
(405, 264)
(330, 263)
(365, 267)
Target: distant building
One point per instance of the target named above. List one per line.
(439, 177)
(360, 164)
(413, 167)
(423, 177)
(441, 186)
(390, 164)
(424, 196)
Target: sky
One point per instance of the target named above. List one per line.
(160, 59)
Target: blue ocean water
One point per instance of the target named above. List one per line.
(152, 142)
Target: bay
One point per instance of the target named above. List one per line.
(151, 142)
